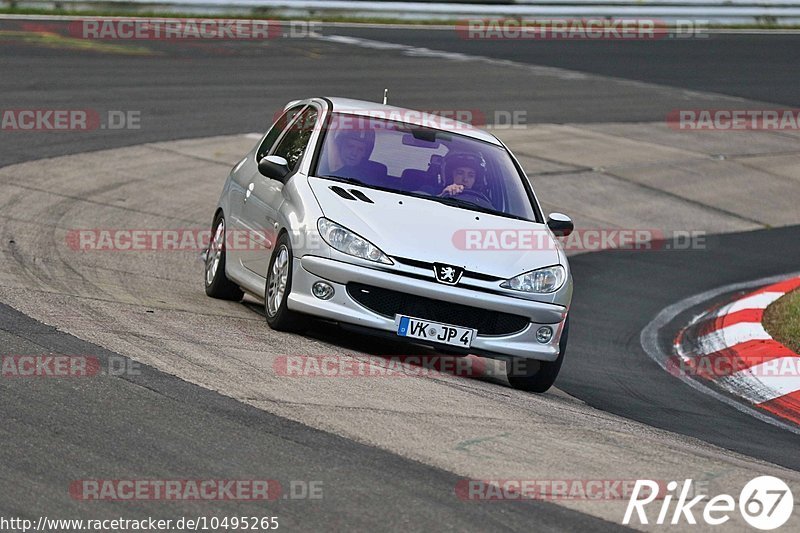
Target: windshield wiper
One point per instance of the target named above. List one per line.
(457, 202)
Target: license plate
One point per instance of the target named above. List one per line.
(434, 331)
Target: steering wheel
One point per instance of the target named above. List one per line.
(475, 197)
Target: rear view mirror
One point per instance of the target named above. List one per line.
(274, 167)
(421, 141)
(560, 224)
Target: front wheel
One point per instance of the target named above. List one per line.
(537, 376)
(279, 284)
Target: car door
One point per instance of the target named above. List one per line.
(242, 186)
(264, 196)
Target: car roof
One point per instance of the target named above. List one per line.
(410, 116)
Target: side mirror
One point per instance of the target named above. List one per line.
(560, 224)
(274, 167)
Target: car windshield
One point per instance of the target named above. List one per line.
(439, 165)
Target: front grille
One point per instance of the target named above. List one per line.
(429, 267)
(390, 303)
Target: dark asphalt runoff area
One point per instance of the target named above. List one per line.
(150, 424)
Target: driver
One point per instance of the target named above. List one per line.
(461, 171)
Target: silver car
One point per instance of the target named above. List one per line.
(395, 222)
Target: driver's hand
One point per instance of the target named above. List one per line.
(452, 190)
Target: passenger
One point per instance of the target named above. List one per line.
(354, 148)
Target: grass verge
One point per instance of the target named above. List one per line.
(782, 320)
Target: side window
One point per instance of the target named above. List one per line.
(294, 143)
(276, 130)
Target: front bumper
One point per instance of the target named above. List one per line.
(343, 308)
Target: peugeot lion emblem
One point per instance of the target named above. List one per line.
(448, 274)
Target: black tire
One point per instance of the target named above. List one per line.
(217, 283)
(279, 316)
(537, 376)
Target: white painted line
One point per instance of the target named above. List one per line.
(415, 51)
(538, 70)
(649, 340)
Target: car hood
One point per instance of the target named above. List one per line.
(425, 230)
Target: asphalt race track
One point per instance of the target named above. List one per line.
(204, 405)
(169, 83)
(748, 65)
(629, 384)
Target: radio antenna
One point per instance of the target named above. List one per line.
(385, 96)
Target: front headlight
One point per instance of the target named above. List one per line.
(542, 281)
(350, 243)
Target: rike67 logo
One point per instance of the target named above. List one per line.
(765, 503)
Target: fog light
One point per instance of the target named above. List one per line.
(544, 334)
(322, 290)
